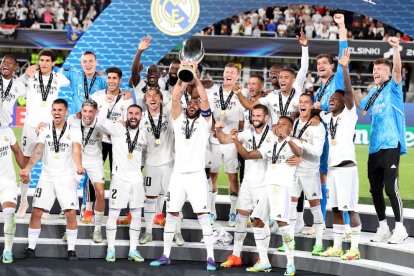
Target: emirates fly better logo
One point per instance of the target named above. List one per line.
(175, 17)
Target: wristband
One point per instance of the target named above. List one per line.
(288, 139)
(206, 113)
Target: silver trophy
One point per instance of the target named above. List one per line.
(192, 51)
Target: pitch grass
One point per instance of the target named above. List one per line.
(405, 181)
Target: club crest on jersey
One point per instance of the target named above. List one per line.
(122, 108)
(294, 105)
(164, 115)
(113, 201)
(6, 139)
(268, 140)
(307, 134)
(55, 81)
(175, 17)
(98, 135)
(68, 137)
(15, 89)
(284, 149)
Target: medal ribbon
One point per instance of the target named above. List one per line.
(55, 140)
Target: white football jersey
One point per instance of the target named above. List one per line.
(17, 89)
(117, 109)
(62, 167)
(281, 174)
(272, 102)
(35, 112)
(158, 155)
(7, 139)
(190, 157)
(255, 171)
(313, 140)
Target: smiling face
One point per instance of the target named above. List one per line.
(336, 103)
(153, 99)
(325, 68)
(133, 117)
(274, 74)
(193, 109)
(259, 118)
(305, 105)
(172, 73)
(89, 63)
(88, 114)
(7, 67)
(153, 74)
(283, 126)
(113, 81)
(255, 87)
(59, 112)
(381, 73)
(231, 76)
(286, 80)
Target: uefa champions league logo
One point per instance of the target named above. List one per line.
(175, 17)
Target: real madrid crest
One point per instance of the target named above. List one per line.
(6, 139)
(68, 137)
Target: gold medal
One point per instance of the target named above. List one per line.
(363, 112)
(333, 142)
(157, 141)
(187, 141)
(44, 103)
(130, 155)
(223, 112)
(273, 166)
(250, 125)
(56, 155)
(254, 160)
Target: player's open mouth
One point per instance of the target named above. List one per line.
(229, 79)
(133, 120)
(322, 70)
(283, 85)
(152, 79)
(111, 85)
(87, 119)
(191, 109)
(377, 77)
(153, 104)
(6, 70)
(273, 77)
(174, 75)
(331, 104)
(302, 110)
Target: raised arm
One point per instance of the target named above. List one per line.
(304, 62)
(135, 67)
(340, 21)
(245, 102)
(178, 91)
(255, 154)
(204, 105)
(349, 95)
(105, 124)
(357, 99)
(396, 60)
(222, 137)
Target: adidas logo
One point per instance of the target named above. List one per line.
(72, 204)
(146, 123)
(250, 140)
(279, 216)
(314, 194)
(103, 178)
(209, 162)
(205, 207)
(14, 199)
(345, 207)
(48, 136)
(393, 166)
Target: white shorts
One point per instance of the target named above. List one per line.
(194, 185)
(157, 179)
(274, 202)
(121, 193)
(227, 154)
(249, 196)
(8, 191)
(94, 168)
(208, 160)
(309, 184)
(342, 188)
(29, 138)
(66, 192)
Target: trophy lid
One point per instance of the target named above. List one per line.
(192, 50)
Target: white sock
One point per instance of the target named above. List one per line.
(111, 227)
(318, 223)
(383, 224)
(399, 225)
(292, 217)
(260, 238)
(9, 228)
(169, 230)
(72, 235)
(288, 243)
(213, 202)
(233, 202)
(299, 216)
(355, 233)
(89, 205)
(134, 228)
(267, 233)
(24, 188)
(204, 221)
(338, 231)
(240, 234)
(32, 237)
(160, 203)
(178, 224)
(149, 214)
(98, 220)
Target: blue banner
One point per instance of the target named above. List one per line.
(73, 36)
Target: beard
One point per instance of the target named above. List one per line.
(262, 123)
(128, 123)
(197, 114)
(172, 80)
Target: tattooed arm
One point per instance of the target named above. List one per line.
(38, 153)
